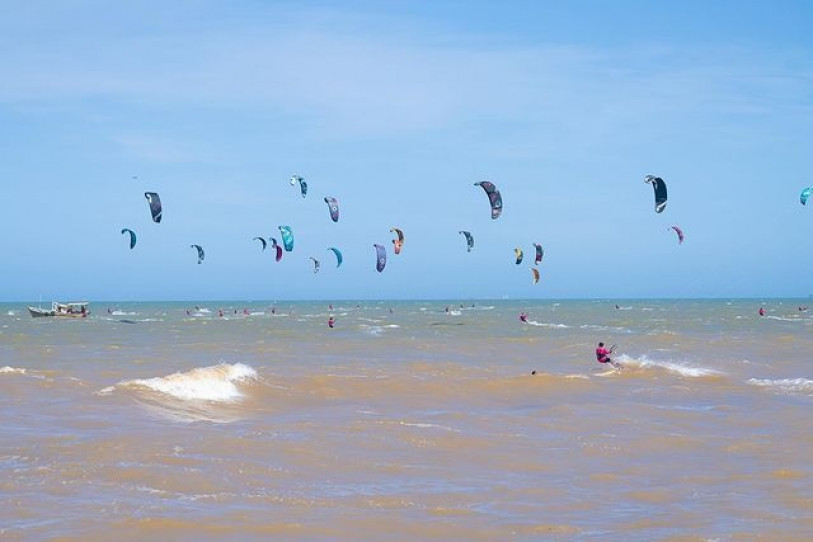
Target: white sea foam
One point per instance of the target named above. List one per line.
(428, 426)
(669, 366)
(787, 385)
(546, 324)
(784, 318)
(595, 327)
(12, 370)
(376, 331)
(216, 383)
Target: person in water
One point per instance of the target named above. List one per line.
(523, 316)
(761, 311)
(330, 322)
(603, 355)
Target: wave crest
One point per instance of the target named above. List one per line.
(218, 383)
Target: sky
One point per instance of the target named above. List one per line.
(396, 109)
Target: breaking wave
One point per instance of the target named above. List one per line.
(681, 369)
(219, 383)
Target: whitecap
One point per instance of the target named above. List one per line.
(669, 366)
(783, 318)
(372, 330)
(216, 383)
(787, 385)
(546, 324)
(12, 370)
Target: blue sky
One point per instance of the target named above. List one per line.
(396, 109)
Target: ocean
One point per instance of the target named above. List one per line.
(409, 420)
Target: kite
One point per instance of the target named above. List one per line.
(494, 198)
(303, 186)
(201, 254)
(261, 240)
(287, 237)
(333, 207)
(132, 237)
(539, 253)
(469, 240)
(805, 194)
(338, 255)
(535, 273)
(381, 257)
(155, 205)
(518, 254)
(315, 264)
(679, 233)
(397, 243)
(276, 247)
(660, 192)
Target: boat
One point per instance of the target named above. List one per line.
(77, 309)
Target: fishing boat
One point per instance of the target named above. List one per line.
(78, 309)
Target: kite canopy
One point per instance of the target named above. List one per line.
(518, 254)
(469, 240)
(155, 205)
(381, 257)
(535, 273)
(494, 198)
(805, 195)
(397, 244)
(132, 237)
(261, 240)
(679, 233)
(333, 207)
(201, 254)
(660, 192)
(539, 253)
(287, 237)
(338, 255)
(276, 247)
(315, 264)
(303, 186)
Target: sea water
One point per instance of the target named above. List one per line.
(411, 420)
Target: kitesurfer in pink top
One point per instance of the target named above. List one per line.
(603, 355)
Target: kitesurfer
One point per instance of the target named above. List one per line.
(603, 355)
(523, 316)
(330, 322)
(761, 311)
